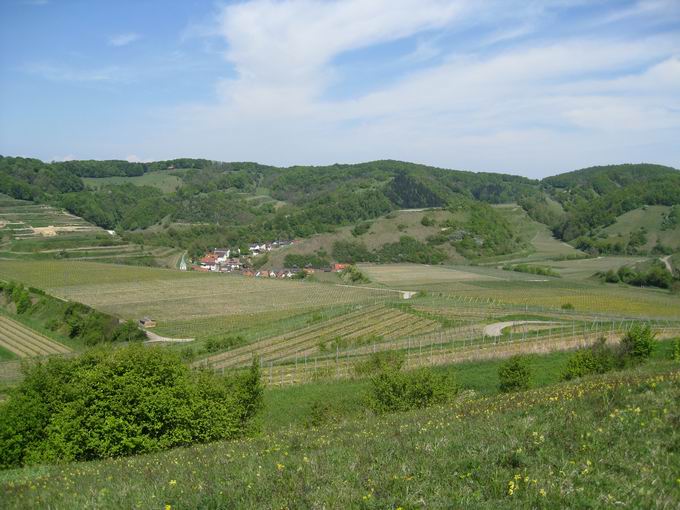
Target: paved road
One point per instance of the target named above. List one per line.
(154, 338)
(497, 328)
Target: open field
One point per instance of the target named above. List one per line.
(185, 297)
(24, 342)
(582, 269)
(163, 180)
(543, 244)
(403, 275)
(649, 218)
(564, 445)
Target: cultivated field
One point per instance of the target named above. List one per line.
(27, 220)
(25, 342)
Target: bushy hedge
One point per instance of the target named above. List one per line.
(636, 347)
(596, 359)
(392, 390)
(114, 403)
(515, 374)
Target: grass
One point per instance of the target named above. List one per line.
(588, 443)
(650, 218)
(6, 355)
(292, 405)
(162, 180)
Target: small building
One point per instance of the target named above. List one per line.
(336, 268)
(147, 322)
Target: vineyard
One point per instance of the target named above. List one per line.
(461, 345)
(25, 342)
(365, 326)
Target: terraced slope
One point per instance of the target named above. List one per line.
(25, 342)
(379, 321)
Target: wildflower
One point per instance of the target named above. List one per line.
(168, 506)
(173, 483)
(280, 467)
(542, 492)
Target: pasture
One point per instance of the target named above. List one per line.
(164, 180)
(649, 218)
(564, 445)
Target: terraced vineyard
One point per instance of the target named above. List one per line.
(25, 342)
(355, 329)
(27, 220)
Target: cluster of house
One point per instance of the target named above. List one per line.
(226, 260)
(232, 261)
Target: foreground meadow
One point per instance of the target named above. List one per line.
(584, 444)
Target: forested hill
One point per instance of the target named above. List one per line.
(594, 197)
(234, 203)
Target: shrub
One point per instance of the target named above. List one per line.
(392, 390)
(638, 343)
(596, 359)
(514, 374)
(379, 361)
(676, 349)
(567, 306)
(128, 401)
(128, 331)
(353, 274)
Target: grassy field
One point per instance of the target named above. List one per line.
(581, 444)
(543, 245)
(288, 406)
(162, 180)
(649, 218)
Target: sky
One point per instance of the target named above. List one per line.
(525, 87)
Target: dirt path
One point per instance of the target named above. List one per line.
(153, 338)
(497, 328)
(667, 261)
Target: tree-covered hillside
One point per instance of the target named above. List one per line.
(232, 204)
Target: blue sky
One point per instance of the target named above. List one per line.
(524, 87)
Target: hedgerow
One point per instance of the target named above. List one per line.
(124, 402)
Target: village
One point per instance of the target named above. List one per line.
(227, 260)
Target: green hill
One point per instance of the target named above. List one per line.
(197, 204)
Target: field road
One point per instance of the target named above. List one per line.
(497, 328)
(667, 261)
(154, 338)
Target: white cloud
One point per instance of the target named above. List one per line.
(564, 100)
(123, 39)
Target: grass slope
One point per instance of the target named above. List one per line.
(650, 218)
(162, 180)
(583, 444)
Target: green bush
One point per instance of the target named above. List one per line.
(114, 403)
(392, 390)
(596, 359)
(515, 374)
(378, 361)
(676, 349)
(638, 343)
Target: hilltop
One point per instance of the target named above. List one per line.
(359, 212)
